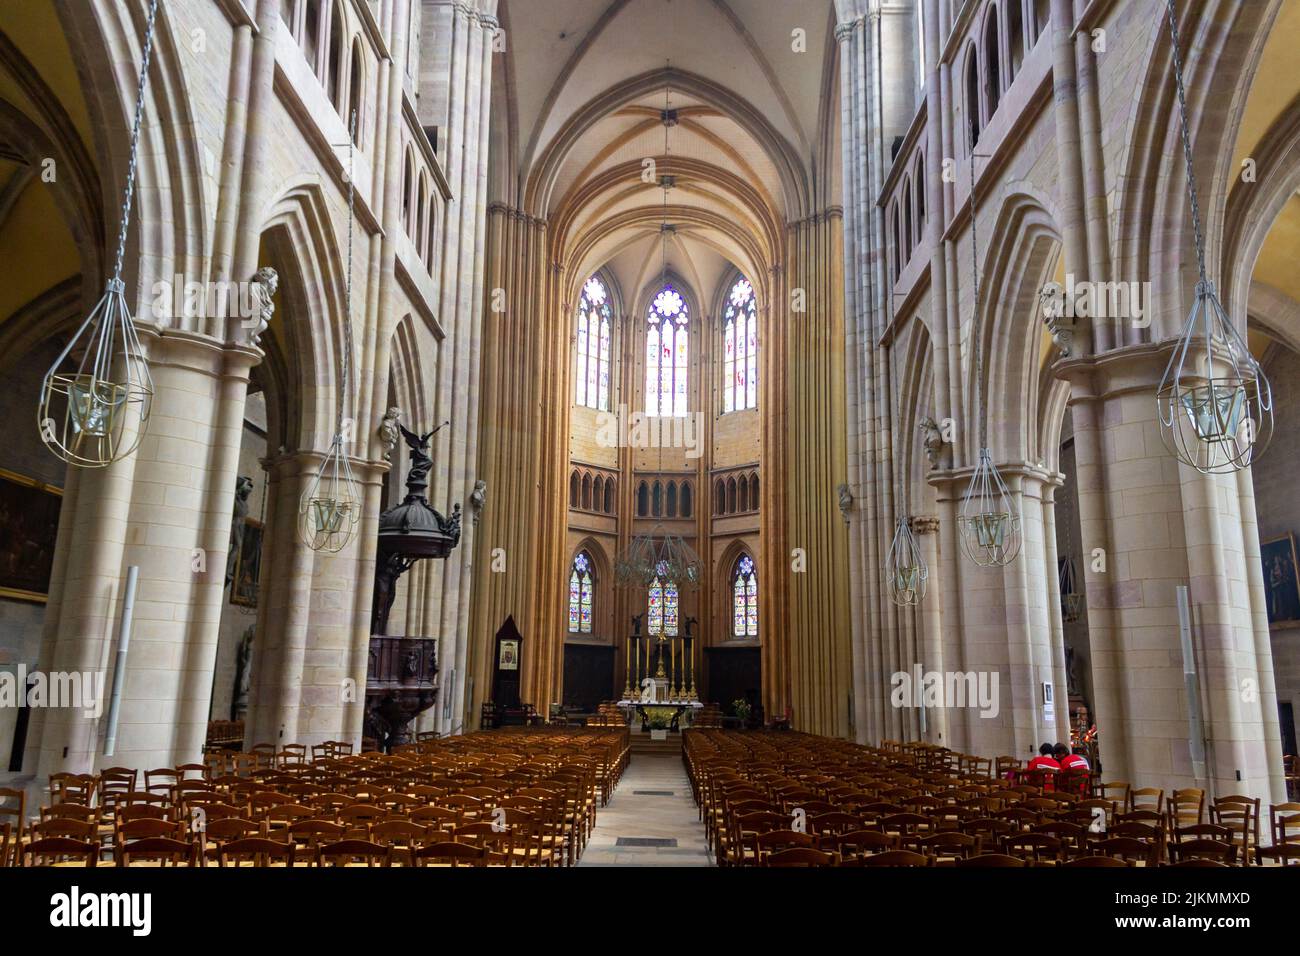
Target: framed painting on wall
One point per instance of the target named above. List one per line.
(248, 566)
(509, 656)
(29, 524)
(1281, 586)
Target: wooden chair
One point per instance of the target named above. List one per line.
(70, 827)
(1129, 850)
(993, 860)
(216, 833)
(450, 854)
(946, 846)
(1216, 850)
(798, 856)
(1146, 798)
(1033, 847)
(161, 781)
(13, 810)
(1241, 816)
(354, 853)
(857, 843)
(1117, 792)
(403, 836)
(1186, 807)
(773, 841)
(1073, 836)
(895, 858)
(255, 852)
(129, 831)
(1197, 861)
(315, 832)
(158, 850)
(1097, 860)
(1284, 830)
(73, 788)
(60, 851)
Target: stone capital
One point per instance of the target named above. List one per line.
(924, 524)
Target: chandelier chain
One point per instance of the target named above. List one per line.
(347, 290)
(975, 318)
(129, 193)
(1187, 142)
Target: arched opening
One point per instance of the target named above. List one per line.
(356, 92)
(972, 84)
(992, 64)
(334, 73)
(1015, 37)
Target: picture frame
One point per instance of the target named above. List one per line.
(248, 566)
(1281, 579)
(508, 656)
(29, 527)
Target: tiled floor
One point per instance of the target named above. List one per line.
(649, 815)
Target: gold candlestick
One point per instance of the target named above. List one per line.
(627, 671)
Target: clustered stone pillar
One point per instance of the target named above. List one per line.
(1169, 526)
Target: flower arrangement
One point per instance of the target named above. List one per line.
(740, 707)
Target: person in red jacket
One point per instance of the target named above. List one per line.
(1045, 761)
(1071, 761)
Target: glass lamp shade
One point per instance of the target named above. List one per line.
(331, 506)
(96, 415)
(1215, 403)
(989, 521)
(906, 573)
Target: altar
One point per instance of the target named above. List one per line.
(668, 714)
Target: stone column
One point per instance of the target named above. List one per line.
(1168, 526)
(166, 509)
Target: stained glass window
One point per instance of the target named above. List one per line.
(662, 607)
(667, 354)
(744, 595)
(740, 349)
(594, 318)
(580, 592)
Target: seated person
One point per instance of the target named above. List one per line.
(1045, 761)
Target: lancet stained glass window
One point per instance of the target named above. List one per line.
(667, 353)
(662, 607)
(744, 592)
(740, 349)
(594, 319)
(580, 595)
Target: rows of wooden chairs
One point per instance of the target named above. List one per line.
(508, 798)
(800, 800)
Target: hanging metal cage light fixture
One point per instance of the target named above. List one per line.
(95, 413)
(906, 573)
(1214, 401)
(331, 506)
(989, 520)
(1071, 599)
(658, 553)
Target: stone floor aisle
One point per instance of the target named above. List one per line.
(651, 819)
